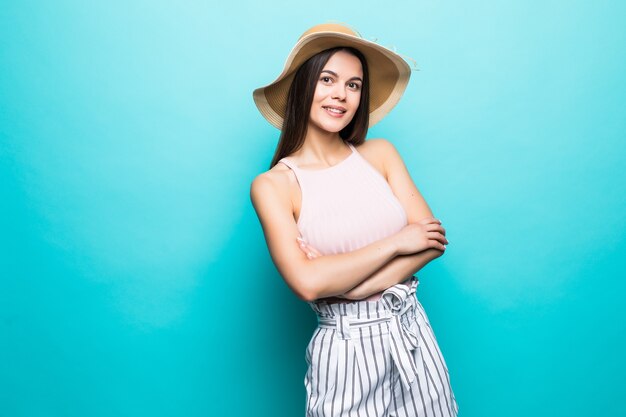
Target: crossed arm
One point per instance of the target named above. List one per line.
(399, 269)
(365, 271)
(395, 271)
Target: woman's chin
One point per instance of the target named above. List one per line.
(330, 127)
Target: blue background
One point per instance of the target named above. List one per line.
(135, 280)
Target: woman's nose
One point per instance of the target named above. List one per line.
(339, 92)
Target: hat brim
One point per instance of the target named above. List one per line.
(388, 73)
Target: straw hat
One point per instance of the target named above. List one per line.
(388, 72)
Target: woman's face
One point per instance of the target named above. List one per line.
(337, 93)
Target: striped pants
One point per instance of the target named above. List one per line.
(377, 359)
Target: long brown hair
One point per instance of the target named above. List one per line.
(299, 101)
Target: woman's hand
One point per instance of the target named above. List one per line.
(309, 250)
(417, 237)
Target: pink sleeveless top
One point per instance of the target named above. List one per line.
(346, 206)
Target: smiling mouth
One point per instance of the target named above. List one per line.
(334, 110)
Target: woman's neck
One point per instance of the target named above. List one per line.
(321, 148)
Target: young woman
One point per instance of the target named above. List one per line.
(347, 229)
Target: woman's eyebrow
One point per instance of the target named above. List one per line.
(335, 74)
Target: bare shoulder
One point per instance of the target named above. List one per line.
(380, 153)
(379, 146)
(272, 184)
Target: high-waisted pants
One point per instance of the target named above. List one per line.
(376, 359)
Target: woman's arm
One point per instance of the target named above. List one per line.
(417, 210)
(394, 272)
(312, 279)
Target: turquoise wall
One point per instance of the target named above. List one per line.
(135, 280)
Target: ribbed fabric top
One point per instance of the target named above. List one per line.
(346, 206)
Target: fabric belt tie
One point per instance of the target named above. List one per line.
(403, 339)
(396, 300)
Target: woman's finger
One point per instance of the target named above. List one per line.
(312, 252)
(429, 220)
(302, 245)
(435, 244)
(312, 249)
(309, 250)
(437, 236)
(436, 227)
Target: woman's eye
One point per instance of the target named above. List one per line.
(326, 79)
(355, 86)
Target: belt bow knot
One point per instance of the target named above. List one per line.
(403, 340)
